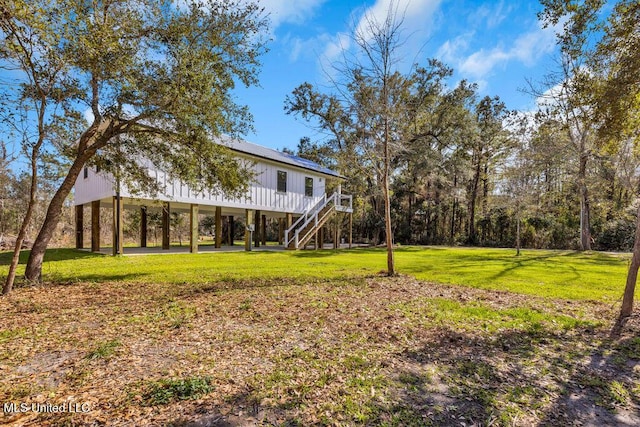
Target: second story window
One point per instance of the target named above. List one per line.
(282, 182)
(86, 172)
(308, 186)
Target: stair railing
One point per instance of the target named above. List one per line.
(309, 216)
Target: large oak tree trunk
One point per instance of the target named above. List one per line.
(33, 270)
(632, 276)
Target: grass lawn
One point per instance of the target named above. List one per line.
(463, 336)
(553, 274)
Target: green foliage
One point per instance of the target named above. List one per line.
(103, 350)
(158, 77)
(177, 314)
(9, 334)
(166, 391)
(475, 317)
(617, 235)
(618, 393)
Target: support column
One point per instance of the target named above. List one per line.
(321, 237)
(350, 229)
(288, 222)
(280, 231)
(143, 227)
(193, 228)
(231, 230)
(335, 233)
(218, 225)
(263, 230)
(166, 244)
(338, 229)
(95, 226)
(256, 233)
(249, 216)
(118, 235)
(79, 227)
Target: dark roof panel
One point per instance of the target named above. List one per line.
(274, 155)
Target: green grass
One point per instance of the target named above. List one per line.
(103, 350)
(320, 338)
(552, 274)
(165, 391)
(477, 317)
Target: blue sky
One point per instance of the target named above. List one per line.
(496, 44)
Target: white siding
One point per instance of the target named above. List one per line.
(261, 194)
(95, 187)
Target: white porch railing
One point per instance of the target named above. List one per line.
(316, 216)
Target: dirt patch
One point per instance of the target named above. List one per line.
(362, 352)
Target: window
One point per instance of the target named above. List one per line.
(308, 186)
(282, 182)
(86, 172)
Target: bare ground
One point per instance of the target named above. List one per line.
(374, 351)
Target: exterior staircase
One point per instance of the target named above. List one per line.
(305, 228)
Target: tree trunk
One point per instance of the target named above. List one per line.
(436, 216)
(33, 270)
(585, 233)
(33, 188)
(518, 232)
(11, 275)
(473, 239)
(454, 207)
(632, 275)
(485, 190)
(391, 269)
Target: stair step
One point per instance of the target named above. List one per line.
(306, 233)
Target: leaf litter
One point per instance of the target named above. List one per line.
(367, 351)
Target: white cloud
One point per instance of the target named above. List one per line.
(450, 50)
(336, 46)
(480, 63)
(482, 85)
(527, 48)
(490, 14)
(417, 14)
(288, 11)
(323, 44)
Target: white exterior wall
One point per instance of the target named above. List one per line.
(96, 186)
(261, 195)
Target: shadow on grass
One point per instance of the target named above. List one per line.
(66, 279)
(321, 253)
(359, 250)
(50, 255)
(519, 262)
(504, 378)
(515, 377)
(463, 263)
(225, 284)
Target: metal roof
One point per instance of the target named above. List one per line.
(275, 155)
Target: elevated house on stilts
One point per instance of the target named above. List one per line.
(286, 188)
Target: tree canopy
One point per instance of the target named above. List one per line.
(124, 80)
